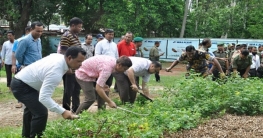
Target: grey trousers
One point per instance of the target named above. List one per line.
(124, 87)
(90, 96)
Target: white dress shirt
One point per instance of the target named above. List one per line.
(104, 47)
(6, 53)
(44, 75)
(255, 61)
(140, 67)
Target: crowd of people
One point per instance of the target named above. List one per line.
(92, 68)
(230, 59)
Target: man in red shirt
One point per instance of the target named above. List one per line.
(126, 47)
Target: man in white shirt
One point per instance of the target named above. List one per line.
(6, 55)
(255, 62)
(126, 83)
(109, 48)
(35, 84)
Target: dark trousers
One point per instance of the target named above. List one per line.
(124, 86)
(241, 72)
(35, 114)
(157, 76)
(90, 96)
(71, 91)
(137, 81)
(8, 70)
(253, 72)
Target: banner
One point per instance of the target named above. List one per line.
(148, 43)
(179, 45)
(255, 43)
(53, 42)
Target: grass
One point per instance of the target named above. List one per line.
(14, 132)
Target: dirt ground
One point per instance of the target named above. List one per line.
(228, 126)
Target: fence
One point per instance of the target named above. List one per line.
(166, 44)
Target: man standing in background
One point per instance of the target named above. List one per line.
(15, 65)
(6, 55)
(71, 86)
(138, 43)
(99, 38)
(155, 56)
(88, 47)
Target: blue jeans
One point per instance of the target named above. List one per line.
(35, 114)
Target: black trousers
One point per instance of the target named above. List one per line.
(35, 114)
(8, 70)
(124, 87)
(71, 92)
(253, 72)
(157, 76)
(241, 72)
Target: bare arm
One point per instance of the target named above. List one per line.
(145, 88)
(102, 94)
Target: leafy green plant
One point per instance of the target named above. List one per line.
(183, 104)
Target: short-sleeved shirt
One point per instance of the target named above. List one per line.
(154, 54)
(241, 64)
(139, 52)
(100, 66)
(140, 67)
(67, 40)
(221, 54)
(126, 49)
(89, 49)
(198, 61)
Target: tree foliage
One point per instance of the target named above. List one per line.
(147, 18)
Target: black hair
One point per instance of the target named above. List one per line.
(189, 48)
(11, 32)
(157, 64)
(88, 35)
(156, 42)
(205, 41)
(28, 28)
(75, 21)
(245, 52)
(129, 32)
(73, 51)
(233, 44)
(36, 23)
(260, 46)
(250, 47)
(109, 31)
(124, 61)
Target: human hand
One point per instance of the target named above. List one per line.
(13, 69)
(222, 75)
(245, 75)
(112, 104)
(69, 115)
(134, 87)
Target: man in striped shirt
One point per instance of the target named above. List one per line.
(71, 87)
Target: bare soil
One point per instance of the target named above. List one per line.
(227, 126)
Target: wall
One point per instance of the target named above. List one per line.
(166, 44)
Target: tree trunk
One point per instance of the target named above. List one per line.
(196, 20)
(23, 19)
(184, 20)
